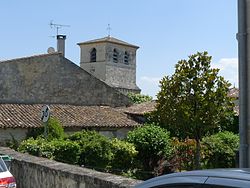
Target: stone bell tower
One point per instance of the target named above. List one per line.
(112, 61)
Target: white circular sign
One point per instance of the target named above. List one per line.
(45, 113)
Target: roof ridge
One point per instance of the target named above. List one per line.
(33, 56)
(108, 39)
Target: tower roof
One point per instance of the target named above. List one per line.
(110, 40)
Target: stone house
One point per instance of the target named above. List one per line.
(80, 97)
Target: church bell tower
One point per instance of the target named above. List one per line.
(112, 61)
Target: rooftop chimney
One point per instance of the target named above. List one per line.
(61, 43)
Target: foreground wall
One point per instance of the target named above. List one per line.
(31, 172)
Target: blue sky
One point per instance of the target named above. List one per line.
(165, 30)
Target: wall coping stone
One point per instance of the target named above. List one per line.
(78, 174)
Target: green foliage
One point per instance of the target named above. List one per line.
(153, 145)
(84, 136)
(66, 151)
(139, 98)
(183, 154)
(35, 132)
(124, 154)
(194, 101)
(220, 150)
(60, 150)
(96, 149)
(39, 147)
(55, 129)
(29, 146)
(13, 143)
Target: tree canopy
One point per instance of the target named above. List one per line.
(194, 100)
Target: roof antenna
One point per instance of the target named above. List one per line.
(109, 29)
(57, 26)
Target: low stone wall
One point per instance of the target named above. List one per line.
(31, 171)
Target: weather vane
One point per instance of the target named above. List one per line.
(109, 29)
(57, 26)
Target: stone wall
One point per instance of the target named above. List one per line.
(120, 75)
(8, 134)
(53, 79)
(31, 172)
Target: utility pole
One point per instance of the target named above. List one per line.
(244, 81)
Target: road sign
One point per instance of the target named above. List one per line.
(45, 113)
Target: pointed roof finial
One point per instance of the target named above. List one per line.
(109, 29)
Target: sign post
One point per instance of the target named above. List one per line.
(45, 114)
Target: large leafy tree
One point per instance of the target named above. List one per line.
(194, 100)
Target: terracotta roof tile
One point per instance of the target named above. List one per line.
(139, 109)
(27, 116)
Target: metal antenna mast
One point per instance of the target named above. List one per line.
(109, 29)
(57, 26)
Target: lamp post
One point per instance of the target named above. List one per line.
(244, 81)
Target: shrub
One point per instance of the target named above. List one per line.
(95, 149)
(220, 150)
(29, 146)
(39, 147)
(183, 154)
(84, 136)
(124, 155)
(55, 129)
(66, 151)
(153, 146)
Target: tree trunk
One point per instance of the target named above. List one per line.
(197, 154)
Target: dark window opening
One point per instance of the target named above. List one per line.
(115, 56)
(126, 56)
(93, 55)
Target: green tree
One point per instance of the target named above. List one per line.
(194, 100)
(139, 98)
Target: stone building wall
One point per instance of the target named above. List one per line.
(8, 134)
(31, 171)
(120, 75)
(53, 79)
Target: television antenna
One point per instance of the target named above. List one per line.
(109, 29)
(57, 26)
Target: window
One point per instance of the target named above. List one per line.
(126, 56)
(93, 55)
(115, 56)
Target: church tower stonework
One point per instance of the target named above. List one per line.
(112, 61)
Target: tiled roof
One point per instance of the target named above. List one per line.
(108, 39)
(28, 116)
(140, 109)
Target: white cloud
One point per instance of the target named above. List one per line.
(228, 69)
